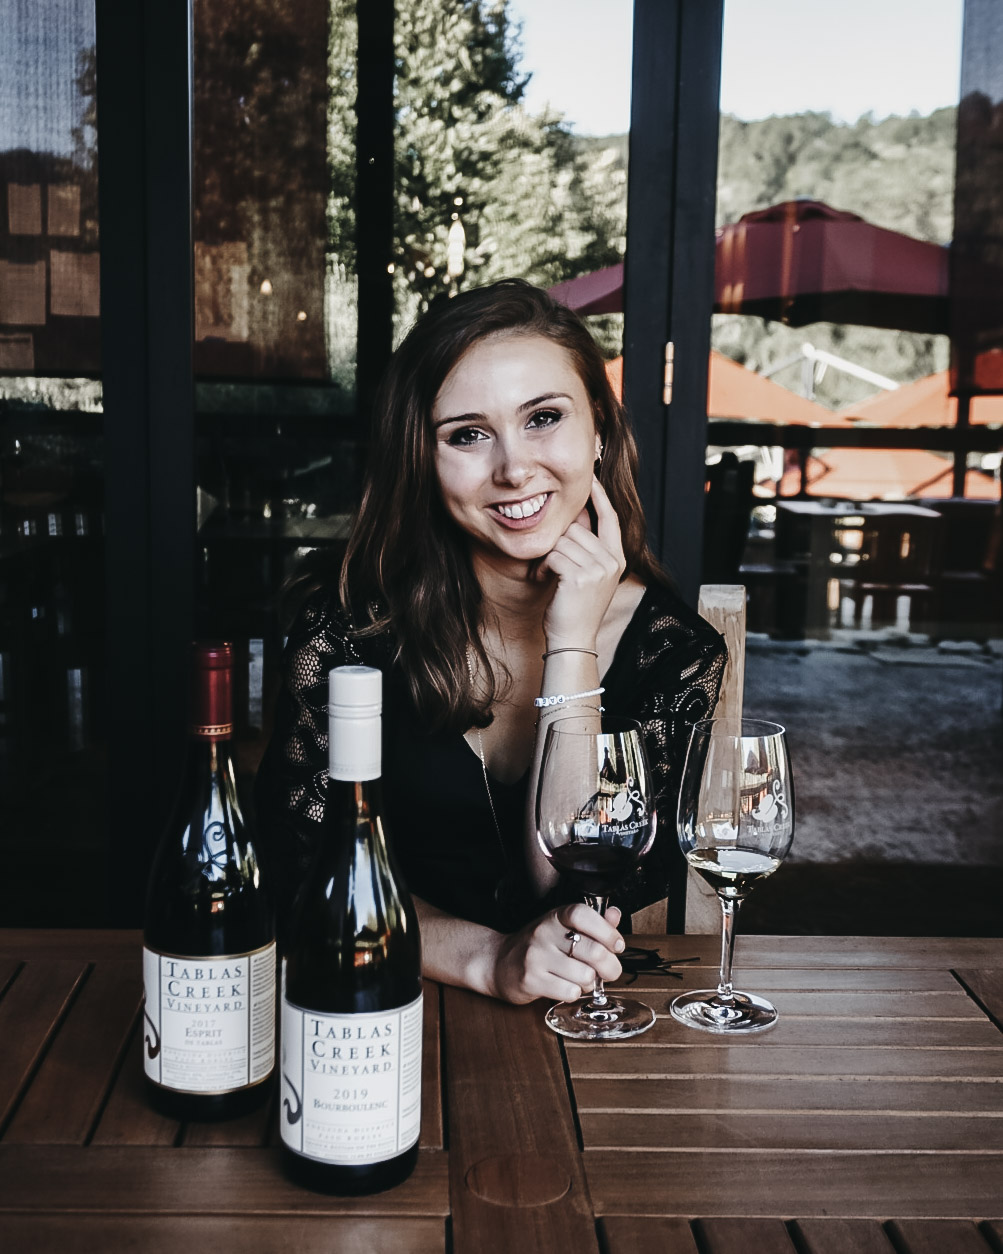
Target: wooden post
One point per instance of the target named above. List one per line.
(723, 606)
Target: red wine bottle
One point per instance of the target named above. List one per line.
(351, 1002)
(209, 939)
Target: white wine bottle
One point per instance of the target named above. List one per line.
(209, 938)
(351, 1001)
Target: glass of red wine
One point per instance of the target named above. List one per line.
(594, 821)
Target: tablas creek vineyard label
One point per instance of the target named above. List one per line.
(351, 1084)
(209, 1023)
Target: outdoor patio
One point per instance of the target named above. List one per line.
(896, 750)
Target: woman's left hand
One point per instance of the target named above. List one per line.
(588, 569)
(541, 959)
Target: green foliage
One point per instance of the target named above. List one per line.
(342, 86)
(531, 202)
(897, 173)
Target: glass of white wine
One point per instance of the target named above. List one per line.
(736, 823)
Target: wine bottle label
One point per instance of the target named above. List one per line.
(351, 1084)
(209, 1022)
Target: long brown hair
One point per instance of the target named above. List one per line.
(407, 562)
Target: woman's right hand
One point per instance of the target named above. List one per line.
(535, 962)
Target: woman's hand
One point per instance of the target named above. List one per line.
(536, 962)
(588, 569)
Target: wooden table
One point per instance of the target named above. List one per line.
(894, 555)
(870, 1119)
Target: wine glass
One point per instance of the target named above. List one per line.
(736, 822)
(594, 821)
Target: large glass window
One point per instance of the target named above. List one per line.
(497, 171)
(511, 147)
(52, 739)
(862, 517)
(276, 295)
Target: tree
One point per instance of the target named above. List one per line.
(467, 150)
(897, 173)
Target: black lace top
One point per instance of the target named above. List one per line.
(666, 673)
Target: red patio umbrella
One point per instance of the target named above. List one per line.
(733, 391)
(881, 474)
(923, 403)
(802, 261)
(596, 293)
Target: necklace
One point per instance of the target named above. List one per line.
(484, 768)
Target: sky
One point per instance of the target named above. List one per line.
(779, 56)
(38, 65)
(846, 57)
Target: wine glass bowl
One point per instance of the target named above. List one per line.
(736, 824)
(594, 822)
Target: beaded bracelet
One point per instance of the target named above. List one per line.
(561, 698)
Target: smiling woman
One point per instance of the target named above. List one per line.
(516, 475)
(498, 562)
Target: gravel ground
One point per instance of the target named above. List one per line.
(897, 755)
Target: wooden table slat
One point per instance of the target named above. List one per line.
(800, 979)
(844, 1236)
(945, 1236)
(813, 953)
(9, 967)
(82, 944)
(732, 1130)
(264, 1234)
(142, 1180)
(744, 1236)
(646, 1234)
(755, 1059)
(29, 1013)
(62, 1105)
(843, 1004)
(849, 1185)
(128, 1118)
(987, 986)
(514, 1134)
(951, 1033)
(431, 1069)
(807, 1093)
(874, 1004)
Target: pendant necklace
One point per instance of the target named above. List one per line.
(484, 770)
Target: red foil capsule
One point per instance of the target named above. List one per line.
(212, 690)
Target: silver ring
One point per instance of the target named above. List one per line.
(574, 937)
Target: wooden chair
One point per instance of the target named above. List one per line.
(723, 606)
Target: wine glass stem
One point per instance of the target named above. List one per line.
(598, 904)
(729, 908)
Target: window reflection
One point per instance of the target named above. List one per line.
(261, 184)
(49, 286)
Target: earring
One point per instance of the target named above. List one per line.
(599, 453)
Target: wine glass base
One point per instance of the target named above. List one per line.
(705, 1009)
(586, 1021)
